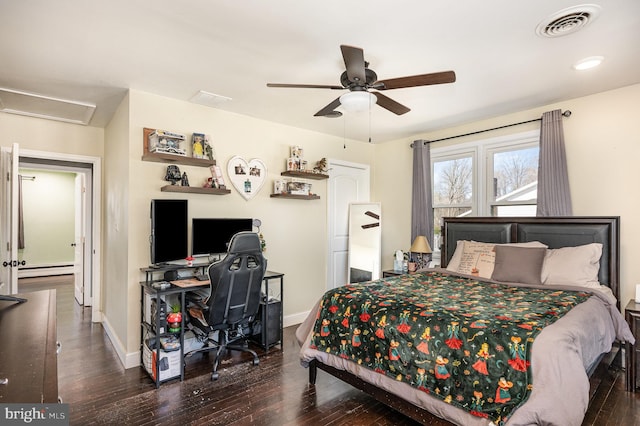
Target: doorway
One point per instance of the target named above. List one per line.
(57, 243)
(86, 174)
(348, 183)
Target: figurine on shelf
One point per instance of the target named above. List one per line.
(185, 179)
(173, 174)
(198, 145)
(321, 166)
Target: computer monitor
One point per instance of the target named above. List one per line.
(169, 234)
(210, 236)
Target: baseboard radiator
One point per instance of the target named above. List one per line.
(45, 270)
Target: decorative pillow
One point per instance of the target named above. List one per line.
(519, 264)
(477, 259)
(573, 266)
(488, 257)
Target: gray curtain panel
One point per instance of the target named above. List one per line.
(421, 199)
(554, 196)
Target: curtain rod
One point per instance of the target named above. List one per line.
(566, 113)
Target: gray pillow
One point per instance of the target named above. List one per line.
(519, 264)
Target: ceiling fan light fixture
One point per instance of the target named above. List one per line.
(357, 101)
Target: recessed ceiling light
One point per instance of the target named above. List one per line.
(587, 63)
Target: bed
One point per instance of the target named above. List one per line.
(546, 367)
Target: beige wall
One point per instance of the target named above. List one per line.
(50, 136)
(118, 307)
(602, 140)
(295, 230)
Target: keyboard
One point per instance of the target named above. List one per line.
(202, 277)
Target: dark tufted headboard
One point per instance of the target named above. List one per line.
(555, 232)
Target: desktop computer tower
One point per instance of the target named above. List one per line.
(270, 327)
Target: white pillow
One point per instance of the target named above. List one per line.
(477, 258)
(573, 266)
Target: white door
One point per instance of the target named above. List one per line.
(348, 183)
(79, 240)
(9, 220)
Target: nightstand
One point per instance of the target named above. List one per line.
(632, 315)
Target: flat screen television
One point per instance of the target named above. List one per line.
(211, 236)
(169, 234)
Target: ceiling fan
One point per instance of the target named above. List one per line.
(359, 79)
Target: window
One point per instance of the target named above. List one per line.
(491, 177)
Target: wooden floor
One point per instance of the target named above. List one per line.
(100, 391)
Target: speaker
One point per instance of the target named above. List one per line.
(270, 327)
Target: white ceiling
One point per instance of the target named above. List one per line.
(93, 51)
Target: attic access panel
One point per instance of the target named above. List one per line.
(34, 105)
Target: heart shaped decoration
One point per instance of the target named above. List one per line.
(246, 177)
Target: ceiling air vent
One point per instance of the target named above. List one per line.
(567, 21)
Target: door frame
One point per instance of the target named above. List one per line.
(71, 161)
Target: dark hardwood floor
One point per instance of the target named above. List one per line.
(100, 391)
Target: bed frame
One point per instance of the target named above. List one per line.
(555, 232)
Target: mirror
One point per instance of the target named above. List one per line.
(365, 240)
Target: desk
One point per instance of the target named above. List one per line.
(154, 328)
(28, 349)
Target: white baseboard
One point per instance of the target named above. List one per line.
(45, 271)
(294, 319)
(128, 360)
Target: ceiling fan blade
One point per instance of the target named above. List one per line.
(416, 80)
(305, 86)
(354, 61)
(388, 103)
(329, 110)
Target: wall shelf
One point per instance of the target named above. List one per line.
(195, 190)
(296, 197)
(179, 159)
(158, 157)
(304, 175)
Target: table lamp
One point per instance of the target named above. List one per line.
(421, 246)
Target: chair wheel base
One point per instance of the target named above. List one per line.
(214, 376)
(256, 361)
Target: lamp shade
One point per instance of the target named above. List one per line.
(420, 245)
(357, 101)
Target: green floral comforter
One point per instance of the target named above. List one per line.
(465, 341)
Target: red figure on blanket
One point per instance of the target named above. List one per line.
(502, 392)
(481, 364)
(394, 355)
(453, 341)
(518, 361)
(423, 346)
(441, 369)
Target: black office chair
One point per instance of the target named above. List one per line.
(233, 304)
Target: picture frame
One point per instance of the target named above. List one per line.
(247, 177)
